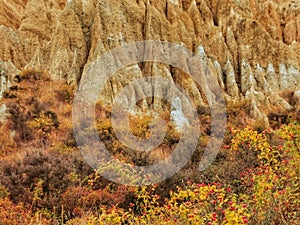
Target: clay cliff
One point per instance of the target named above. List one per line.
(252, 47)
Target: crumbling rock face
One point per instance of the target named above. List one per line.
(11, 12)
(252, 47)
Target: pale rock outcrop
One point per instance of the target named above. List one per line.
(231, 85)
(272, 77)
(279, 103)
(255, 99)
(219, 73)
(262, 83)
(3, 113)
(7, 73)
(284, 82)
(160, 91)
(177, 114)
(294, 77)
(247, 77)
(297, 99)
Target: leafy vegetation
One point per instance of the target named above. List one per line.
(44, 179)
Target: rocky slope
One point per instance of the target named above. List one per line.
(251, 46)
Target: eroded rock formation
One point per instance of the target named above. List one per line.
(252, 47)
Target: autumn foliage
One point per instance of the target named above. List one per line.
(45, 180)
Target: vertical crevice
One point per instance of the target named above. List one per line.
(147, 27)
(147, 20)
(239, 73)
(166, 10)
(215, 14)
